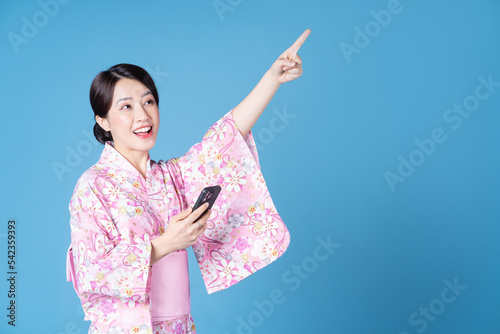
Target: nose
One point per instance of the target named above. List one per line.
(140, 112)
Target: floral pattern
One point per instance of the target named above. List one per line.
(116, 212)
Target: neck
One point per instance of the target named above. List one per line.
(138, 159)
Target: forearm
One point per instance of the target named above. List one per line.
(159, 248)
(247, 112)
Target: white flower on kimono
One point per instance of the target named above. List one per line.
(95, 207)
(130, 303)
(262, 248)
(87, 306)
(115, 211)
(166, 196)
(186, 168)
(143, 243)
(226, 269)
(142, 268)
(258, 179)
(114, 277)
(218, 133)
(270, 227)
(208, 270)
(109, 226)
(235, 180)
(113, 192)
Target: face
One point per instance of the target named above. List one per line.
(133, 118)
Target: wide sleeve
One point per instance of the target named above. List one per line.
(245, 232)
(98, 261)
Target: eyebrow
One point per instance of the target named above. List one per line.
(129, 98)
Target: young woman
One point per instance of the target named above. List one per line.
(131, 217)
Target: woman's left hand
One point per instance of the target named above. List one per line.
(289, 65)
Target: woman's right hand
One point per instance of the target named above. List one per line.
(181, 232)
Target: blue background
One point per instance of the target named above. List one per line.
(352, 117)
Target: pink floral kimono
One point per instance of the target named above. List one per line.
(115, 213)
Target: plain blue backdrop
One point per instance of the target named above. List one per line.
(387, 148)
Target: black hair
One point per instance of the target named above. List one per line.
(102, 89)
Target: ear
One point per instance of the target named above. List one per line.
(103, 122)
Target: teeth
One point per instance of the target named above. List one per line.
(143, 130)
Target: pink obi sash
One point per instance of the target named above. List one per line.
(169, 292)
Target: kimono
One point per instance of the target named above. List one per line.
(116, 212)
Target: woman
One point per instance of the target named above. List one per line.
(131, 218)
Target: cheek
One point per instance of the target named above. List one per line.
(156, 118)
(120, 123)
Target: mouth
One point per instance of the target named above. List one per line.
(144, 132)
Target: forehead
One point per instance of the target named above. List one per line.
(128, 88)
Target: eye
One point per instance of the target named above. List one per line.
(126, 106)
(151, 101)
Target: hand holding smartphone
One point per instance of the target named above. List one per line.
(208, 194)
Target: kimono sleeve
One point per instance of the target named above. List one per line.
(98, 261)
(245, 232)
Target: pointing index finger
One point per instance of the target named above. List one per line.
(298, 43)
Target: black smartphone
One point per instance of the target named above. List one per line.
(208, 194)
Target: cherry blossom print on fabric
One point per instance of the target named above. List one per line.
(243, 214)
(115, 212)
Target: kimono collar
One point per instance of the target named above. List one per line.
(112, 158)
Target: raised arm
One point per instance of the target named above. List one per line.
(286, 68)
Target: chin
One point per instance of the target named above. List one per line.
(145, 146)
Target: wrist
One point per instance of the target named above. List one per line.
(160, 247)
(272, 78)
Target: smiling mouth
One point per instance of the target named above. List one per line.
(143, 131)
